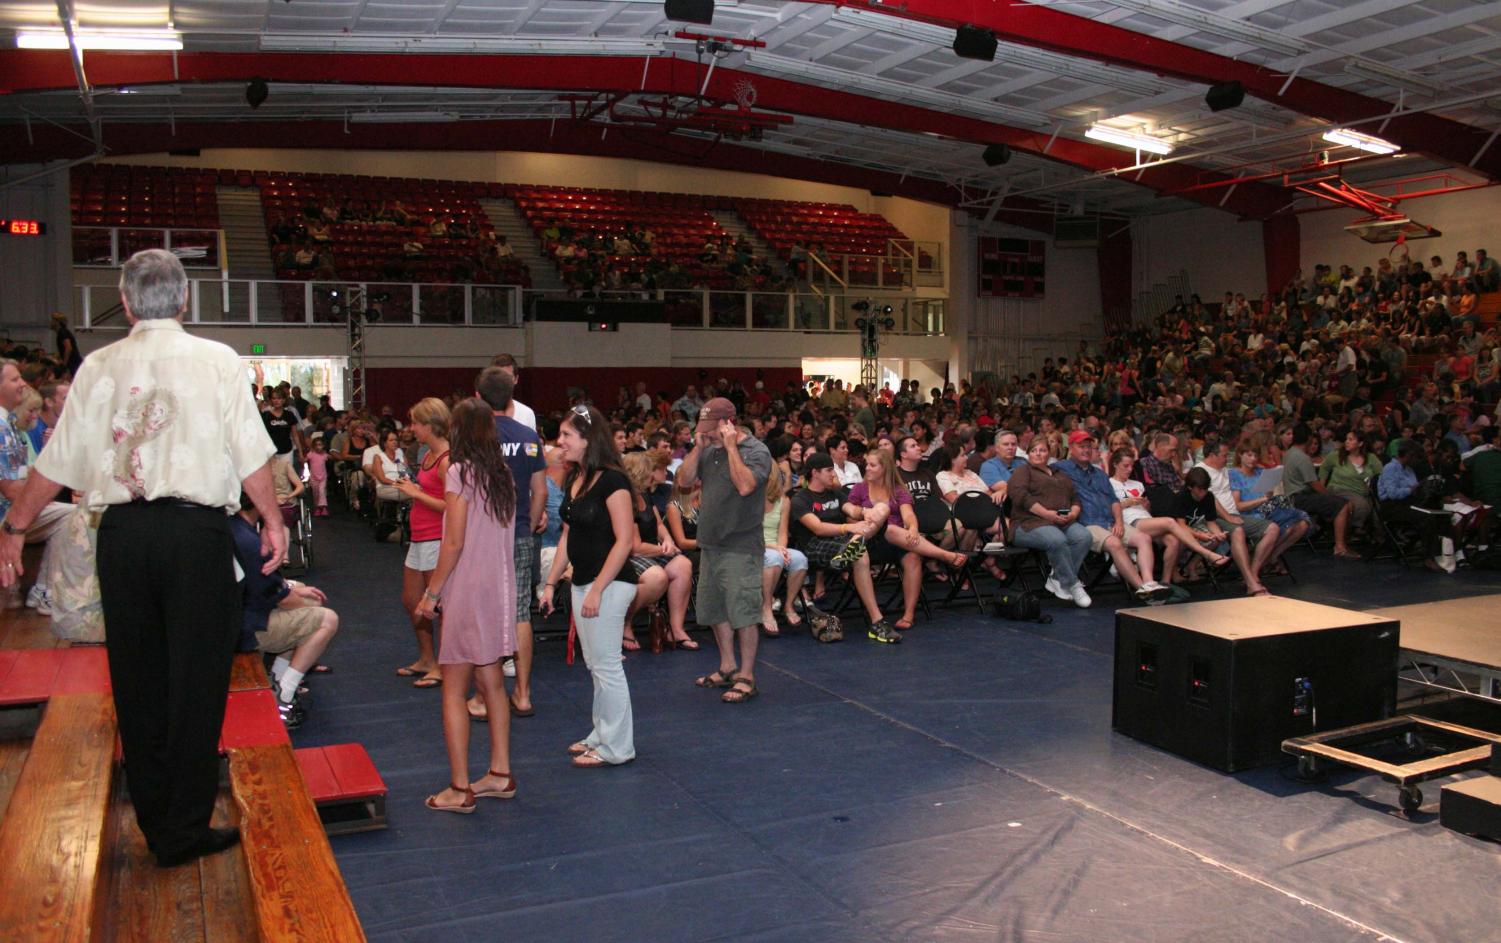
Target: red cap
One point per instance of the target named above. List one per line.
(1079, 435)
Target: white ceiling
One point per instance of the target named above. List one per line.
(1409, 53)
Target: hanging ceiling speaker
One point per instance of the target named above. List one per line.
(996, 154)
(974, 42)
(1224, 96)
(256, 92)
(691, 11)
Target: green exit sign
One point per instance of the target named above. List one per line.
(257, 348)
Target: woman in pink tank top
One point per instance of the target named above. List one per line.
(430, 426)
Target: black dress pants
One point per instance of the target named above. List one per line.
(172, 618)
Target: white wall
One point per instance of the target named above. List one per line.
(37, 270)
(1013, 335)
(1218, 252)
(1467, 221)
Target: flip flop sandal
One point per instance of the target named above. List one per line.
(738, 693)
(590, 759)
(578, 749)
(902, 625)
(408, 672)
(687, 644)
(322, 670)
(715, 679)
(771, 631)
(508, 792)
(464, 808)
(427, 682)
(530, 711)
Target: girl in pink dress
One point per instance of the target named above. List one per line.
(475, 582)
(317, 471)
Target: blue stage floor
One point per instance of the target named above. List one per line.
(964, 785)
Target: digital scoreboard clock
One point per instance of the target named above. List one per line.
(23, 227)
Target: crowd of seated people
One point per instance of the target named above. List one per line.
(594, 261)
(327, 235)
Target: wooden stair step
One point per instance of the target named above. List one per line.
(251, 719)
(344, 784)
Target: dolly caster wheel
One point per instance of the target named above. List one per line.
(1308, 769)
(1411, 798)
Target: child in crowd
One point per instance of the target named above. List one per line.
(317, 468)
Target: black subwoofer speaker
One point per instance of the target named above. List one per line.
(1224, 682)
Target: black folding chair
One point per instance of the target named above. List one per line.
(979, 513)
(935, 519)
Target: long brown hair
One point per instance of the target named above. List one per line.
(475, 449)
(599, 445)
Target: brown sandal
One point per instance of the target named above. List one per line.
(508, 792)
(463, 808)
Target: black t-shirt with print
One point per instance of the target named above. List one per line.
(827, 506)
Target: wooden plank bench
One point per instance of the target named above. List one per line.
(248, 673)
(52, 839)
(299, 892)
(344, 784)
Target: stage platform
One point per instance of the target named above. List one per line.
(962, 786)
(1452, 645)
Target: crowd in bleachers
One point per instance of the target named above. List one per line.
(336, 227)
(631, 241)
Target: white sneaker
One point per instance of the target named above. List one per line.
(1149, 589)
(40, 601)
(509, 668)
(34, 595)
(1079, 596)
(1051, 585)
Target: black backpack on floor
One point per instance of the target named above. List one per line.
(1019, 605)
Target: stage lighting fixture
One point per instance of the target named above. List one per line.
(1224, 96)
(975, 42)
(256, 92)
(691, 11)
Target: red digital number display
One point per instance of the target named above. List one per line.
(23, 227)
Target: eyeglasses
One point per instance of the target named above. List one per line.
(582, 412)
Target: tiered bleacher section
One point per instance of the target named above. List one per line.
(362, 248)
(122, 195)
(141, 201)
(833, 228)
(679, 222)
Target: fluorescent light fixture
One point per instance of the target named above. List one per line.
(1361, 142)
(1128, 139)
(143, 40)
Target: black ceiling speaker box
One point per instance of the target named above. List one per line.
(256, 92)
(974, 42)
(691, 11)
(1225, 96)
(996, 154)
(1224, 682)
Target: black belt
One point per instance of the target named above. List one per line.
(173, 503)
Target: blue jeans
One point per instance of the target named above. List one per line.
(1066, 548)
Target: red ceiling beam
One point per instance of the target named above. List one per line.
(1029, 24)
(538, 136)
(26, 70)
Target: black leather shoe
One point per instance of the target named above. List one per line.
(213, 841)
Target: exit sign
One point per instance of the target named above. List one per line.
(257, 348)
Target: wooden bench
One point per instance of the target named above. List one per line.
(248, 673)
(344, 784)
(299, 892)
(53, 839)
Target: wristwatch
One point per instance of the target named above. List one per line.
(11, 529)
